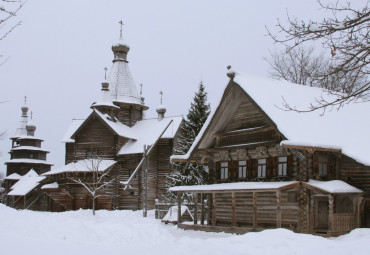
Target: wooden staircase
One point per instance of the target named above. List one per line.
(61, 197)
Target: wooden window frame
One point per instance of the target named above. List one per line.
(323, 166)
(282, 166)
(242, 170)
(92, 155)
(224, 170)
(261, 168)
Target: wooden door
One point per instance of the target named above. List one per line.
(322, 215)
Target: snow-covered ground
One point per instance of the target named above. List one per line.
(125, 232)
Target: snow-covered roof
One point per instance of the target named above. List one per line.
(148, 132)
(29, 137)
(335, 186)
(122, 87)
(118, 127)
(28, 160)
(346, 129)
(86, 165)
(13, 176)
(26, 184)
(53, 185)
(76, 123)
(236, 186)
(29, 148)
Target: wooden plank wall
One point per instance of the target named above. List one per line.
(355, 174)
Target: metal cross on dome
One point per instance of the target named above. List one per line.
(120, 35)
(31, 115)
(105, 75)
(25, 100)
(161, 92)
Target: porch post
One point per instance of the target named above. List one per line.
(233, 209)
(331, 214)
(178, 208)
(278, 209)
(358, 211)
(202, 209)
(255, 210)
(195, 195)
(312, 213)
(213, 209)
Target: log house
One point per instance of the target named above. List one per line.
(272, 168)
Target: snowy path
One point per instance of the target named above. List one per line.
(120, 232)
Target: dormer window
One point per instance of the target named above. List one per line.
(261, 168)
(92, 155)
(323, 166)
(282, 166)
(224, 170)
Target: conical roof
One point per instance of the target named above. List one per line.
(21, 130)
(122, 88)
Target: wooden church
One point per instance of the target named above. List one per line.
(105, 161)
(26, 165)
(272, 168)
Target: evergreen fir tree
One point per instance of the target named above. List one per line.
(190, 173)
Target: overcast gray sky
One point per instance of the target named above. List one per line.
(59, 53)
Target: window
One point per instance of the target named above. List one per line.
(224, 170)
(31, 155)
(282, 166)
(323, 166)
(242, 169)
(91, 154)
(261, 168)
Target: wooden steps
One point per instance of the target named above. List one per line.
(62, 197)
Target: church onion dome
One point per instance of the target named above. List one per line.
(122, 88)
(30, 127)
(161, 110)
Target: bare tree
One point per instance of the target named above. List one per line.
(302, 66)
(96, 180)
(346, 36)
(8, 11)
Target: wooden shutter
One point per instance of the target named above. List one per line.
(274, 164)
(218, 171)
(315, 165)
(268, 167)
(289, 171)
(254, 168)
(331, 167)
(249, 168)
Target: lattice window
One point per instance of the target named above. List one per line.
(242, 174)
(224, 170)
(282, 166)
(323, 166)
(261, 168)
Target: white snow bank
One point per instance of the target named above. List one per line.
(335, 186)
(127, 232)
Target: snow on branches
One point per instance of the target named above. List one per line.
(346, 35)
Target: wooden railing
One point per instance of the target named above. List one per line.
(162, 208)
(343, 222)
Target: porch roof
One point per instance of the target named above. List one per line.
(333, 187)
(237, 186)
